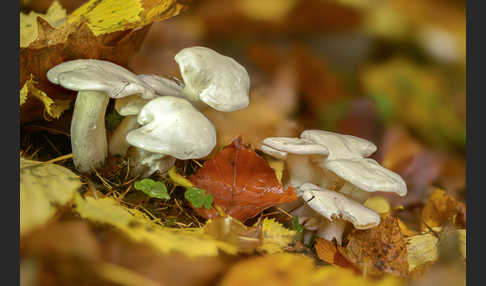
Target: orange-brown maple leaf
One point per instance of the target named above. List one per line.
(241, 182)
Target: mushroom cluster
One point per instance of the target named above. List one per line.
(161, 121)
(333, 178)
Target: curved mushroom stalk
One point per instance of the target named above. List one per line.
(118, 144)
(88, 133)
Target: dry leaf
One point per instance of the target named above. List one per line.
(378, 250)
(137, 226)
(275, 236)
(439, 208)
(52, 108)
(241, 182)
(43, 188)
(296, 270)
(331, 253)
(424, 248)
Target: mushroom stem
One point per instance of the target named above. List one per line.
(333, 230)
(118, 144)
(144, 163)
(88, 133)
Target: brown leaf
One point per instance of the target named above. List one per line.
(241, 182)
(379, 250)
(439, 208)
(331, 253)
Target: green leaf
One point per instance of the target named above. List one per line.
(199, 198)
(152, 188)
(298, 227)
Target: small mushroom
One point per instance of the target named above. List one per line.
(337, 208)
(171, 126)
(342, 174)
(96, 81)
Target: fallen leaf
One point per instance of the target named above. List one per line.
(293, 269)
(241, 182)
(272, 270)
(378, 250)
(440, 207)
(138, 227)
(52, 108)
(424, 248)
(43, 188)
(28, 23)
(275, 236)
(331, 253)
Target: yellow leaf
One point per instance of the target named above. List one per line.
(192, 242)
(439, 208)
(424, 248)
(378, 204)
(28, 23)
(278, 167)
(108, 16)
(53, 108)
(297, 270)
(275, 236)
(338, 276)
(43, 187)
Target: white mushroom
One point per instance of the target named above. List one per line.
(333, 183)
(96, 81)
(217, 80)
(337, 207)
(171, 126)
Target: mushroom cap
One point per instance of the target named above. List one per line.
(340, 146)
(98, 75)
(217, 80)
(367, 175)
(162, 85)
(333, 205)
(284, 145)
(172, 126)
